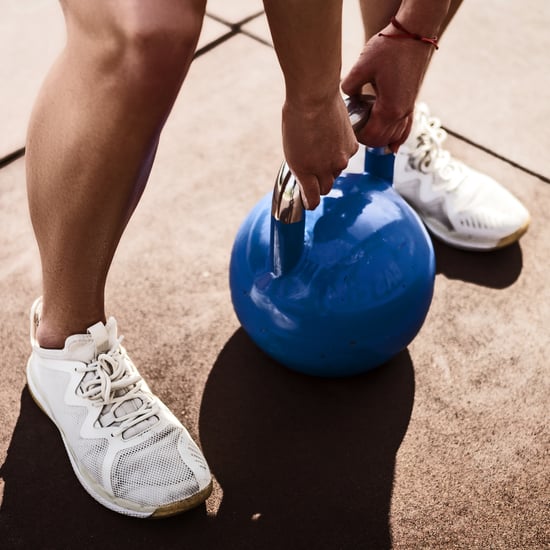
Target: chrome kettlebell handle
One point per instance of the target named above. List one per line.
(359, 108)
(287, 205)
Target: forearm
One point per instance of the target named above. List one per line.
(424, 17)
(307, 38)
(376, 15)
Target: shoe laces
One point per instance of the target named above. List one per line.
(429, 156)
(113, 383)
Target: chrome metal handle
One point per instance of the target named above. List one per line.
(287, 205)
(359, 108)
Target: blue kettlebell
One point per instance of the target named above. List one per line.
(343, 289)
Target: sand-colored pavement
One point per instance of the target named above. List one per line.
(446, 446)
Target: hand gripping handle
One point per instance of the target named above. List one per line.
(287, 208)
(287, 205)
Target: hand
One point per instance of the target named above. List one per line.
(318, 142)
(395, 69)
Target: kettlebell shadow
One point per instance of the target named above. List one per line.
(303, 462)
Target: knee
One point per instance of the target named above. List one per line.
(158, 44)
(159, 47)
(142, 43)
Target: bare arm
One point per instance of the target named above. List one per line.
(317, 136)
(395, 69)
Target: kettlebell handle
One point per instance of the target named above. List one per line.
(287, 205)
(287, 208)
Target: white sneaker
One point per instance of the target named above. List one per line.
(127, 449)
(459, 205)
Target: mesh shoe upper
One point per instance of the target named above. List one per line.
(127, 449)
(458, 204)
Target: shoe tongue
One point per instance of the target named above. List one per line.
(100, 336)
(99, 339)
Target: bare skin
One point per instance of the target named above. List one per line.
(317, 138)
(376, 15)
(97, 121)
(91, 143)
(96, 125)
(395, 68)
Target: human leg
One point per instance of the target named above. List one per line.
(91, 144)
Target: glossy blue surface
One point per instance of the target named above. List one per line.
(358, 288)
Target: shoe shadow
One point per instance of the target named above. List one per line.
(302, 462)
(494, 269)
(45, 507)
(41, 495)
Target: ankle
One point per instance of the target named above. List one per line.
(52, 336)
(50, 339)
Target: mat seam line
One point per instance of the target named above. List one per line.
(235, 28)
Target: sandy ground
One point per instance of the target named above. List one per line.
(446, 446)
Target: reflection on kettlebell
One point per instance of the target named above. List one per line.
(341, 290)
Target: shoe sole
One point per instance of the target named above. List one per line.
(97, 493)
(477, 246)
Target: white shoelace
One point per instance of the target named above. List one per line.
(111, 382)
(429, 155)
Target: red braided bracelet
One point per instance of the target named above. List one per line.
(408, 34)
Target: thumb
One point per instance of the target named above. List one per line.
(357, 77)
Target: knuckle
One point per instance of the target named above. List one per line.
(342, 160)
(375, 136)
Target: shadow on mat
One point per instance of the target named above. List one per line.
(495, 269)
(303, 463)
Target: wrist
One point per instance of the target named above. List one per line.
(423, 17)
(311, 100)
(404, 33)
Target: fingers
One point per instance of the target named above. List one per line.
(385, 129)
(325, 184)
(394, 146)
(313, 186)
(355, 80)
(311, 189)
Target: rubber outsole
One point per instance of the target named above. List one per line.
(472, 246)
